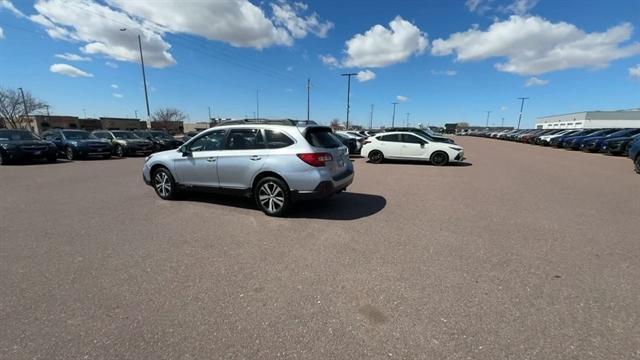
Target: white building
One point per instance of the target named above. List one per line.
(592, 120)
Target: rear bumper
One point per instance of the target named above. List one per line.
(325, 188)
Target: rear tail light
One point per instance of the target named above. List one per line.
(315, 159)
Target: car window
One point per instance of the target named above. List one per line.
(209, 142)
(322, 137)
(411, 139)
(390, 138)
(277, 139)
(245, 139)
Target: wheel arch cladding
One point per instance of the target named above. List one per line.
(265, 174)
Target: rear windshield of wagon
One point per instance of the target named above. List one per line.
(322, 137)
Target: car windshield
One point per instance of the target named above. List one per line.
(161, 135)
(77, 135)
(17, 135)
(124, 135)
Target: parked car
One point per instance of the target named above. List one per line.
(634, 154)
(618, 146)
(351, 143)
(23, 145)
(595, 143)
(188, 135)
(558, 141)
(78, 144)
(545, 140)
(275, 162)
(425, 133)
(125, 143)
(575, 142)
(160, 139)
(410, 146)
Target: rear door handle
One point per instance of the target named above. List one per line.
(211, 159)
(255, 157)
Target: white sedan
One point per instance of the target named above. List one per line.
(410, 146)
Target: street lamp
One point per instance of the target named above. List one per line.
(144, 76)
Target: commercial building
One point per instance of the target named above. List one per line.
(197, 126)
(591, 120)
(111, 123)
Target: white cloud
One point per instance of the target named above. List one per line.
(444, 72)
(533, 45)
(517, 7)
(289, 68)
(117, 95)
(1, 33)
(287, 15)
(402, 98)
(329, 60)
(96, 25)
(111, 64)
(534, 81)
(635, 71)
(504, 108)
(365, 75)
(6, 4)
(478, 6)
(114, 86)
(68, 70)
(381, 46)
(520, 7)
(72, 57)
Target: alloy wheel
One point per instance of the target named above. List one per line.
(162, 184)
(69, 153)
(439, 158)
(376, 157)
(271, 197)
(119, 151)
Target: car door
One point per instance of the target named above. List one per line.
(243, 156)
(390, 145)
(199, 164)
(414, 147)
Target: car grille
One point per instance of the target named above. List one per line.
(98, 146)
(33, 148)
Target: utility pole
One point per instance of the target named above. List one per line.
(47, 107)
(209, 107)
(136, 112)
(84, 111)
(371, 117)
(502, 124)
(24, 103)
(257, 104)
(488, 115)
(349, 75)
(308, 97)
(521, 108)
(408, 119)
(393, 117)
(144, 76)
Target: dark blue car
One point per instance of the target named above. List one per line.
(74, 144)
(576, 142)
(634, 154)
(619, 146)
(559, 141)
(595, 143)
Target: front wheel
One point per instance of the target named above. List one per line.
(272, 196)
(376, 157)
(637, 164)
(164, 184)
(439, 158)
(69, 154)
(119, 151)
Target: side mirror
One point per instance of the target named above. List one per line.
(185, 152)
(422, 145)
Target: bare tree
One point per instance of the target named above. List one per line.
(335, 124)
(168, 115)
(12, 108)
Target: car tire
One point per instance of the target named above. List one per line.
(439, 158)
(118, 151)
(376, 157)
(69, 154)
(164, 184)
(637, 164)
(4, 159)
(272, 196)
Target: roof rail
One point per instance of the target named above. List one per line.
(287, 122)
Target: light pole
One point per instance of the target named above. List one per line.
(144, 76)
(308, 98)
(349, 75)
(521, 108)
(488, 115)
(408, 119)
(136, 112)
(371, 117)
(393, 117)
(84, 111)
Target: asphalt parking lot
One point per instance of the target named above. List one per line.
(522, 253)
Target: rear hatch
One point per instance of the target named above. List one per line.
(323, 140)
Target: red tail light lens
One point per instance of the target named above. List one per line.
(316, 159)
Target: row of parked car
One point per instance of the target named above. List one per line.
(613, 141)
(18, 145)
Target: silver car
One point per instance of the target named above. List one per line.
(275, 162)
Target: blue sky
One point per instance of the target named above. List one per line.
(445, 60)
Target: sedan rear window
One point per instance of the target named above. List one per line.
(322, 137)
